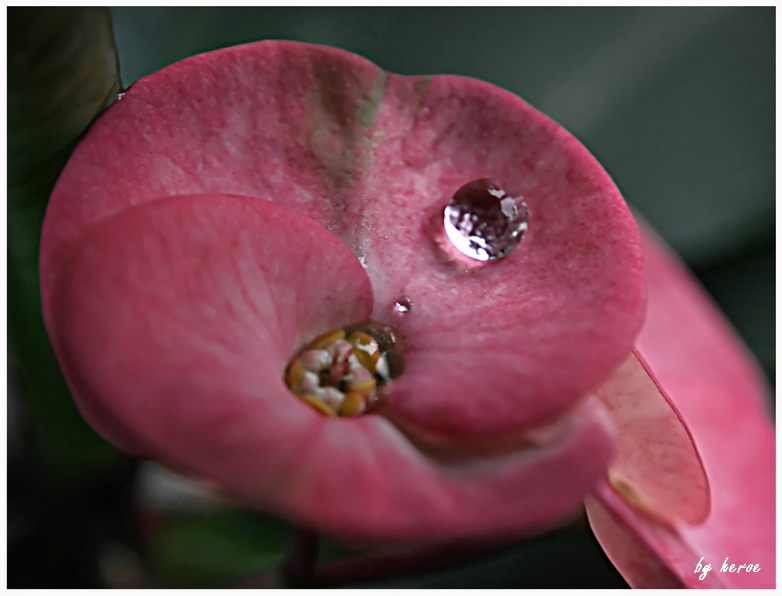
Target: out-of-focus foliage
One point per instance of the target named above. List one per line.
(216, 547)
(63, 71)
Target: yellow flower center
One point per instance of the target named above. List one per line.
(342, 372)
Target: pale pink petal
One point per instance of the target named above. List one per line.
(654, 557)
(706, 372)
(657, 466)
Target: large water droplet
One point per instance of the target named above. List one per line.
(483, 221)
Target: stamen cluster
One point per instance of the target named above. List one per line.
(339, 373)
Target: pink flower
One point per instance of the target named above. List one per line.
(716, 390)
(234, 206)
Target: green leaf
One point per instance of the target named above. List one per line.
(216, 547)
(63, 71)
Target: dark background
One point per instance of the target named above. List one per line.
(678, 104)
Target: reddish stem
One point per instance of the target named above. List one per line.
(381, 566)
(420, 559)
(298, 568)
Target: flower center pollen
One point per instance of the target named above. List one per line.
(342, 372)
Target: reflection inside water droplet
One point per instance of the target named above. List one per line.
(483, 221)
(403, 305)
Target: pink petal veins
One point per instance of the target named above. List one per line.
(657, 466)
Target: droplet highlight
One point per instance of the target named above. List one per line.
(403, 305)
(483, 221)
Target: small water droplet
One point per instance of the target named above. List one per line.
(120, 96)
(483, 221)
(403, 305)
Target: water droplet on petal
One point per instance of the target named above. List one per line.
(403, 305)
(483, 221)
(120, 96)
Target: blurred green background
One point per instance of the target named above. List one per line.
(678, 104)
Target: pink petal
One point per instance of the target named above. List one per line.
(373, 157)
(657, 466)
(653, 558)
(225, 286)
(569, 298)
(717, 389)
(173, 321)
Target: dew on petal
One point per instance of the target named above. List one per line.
(342, 373)
(483, 222)
(403, 305)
